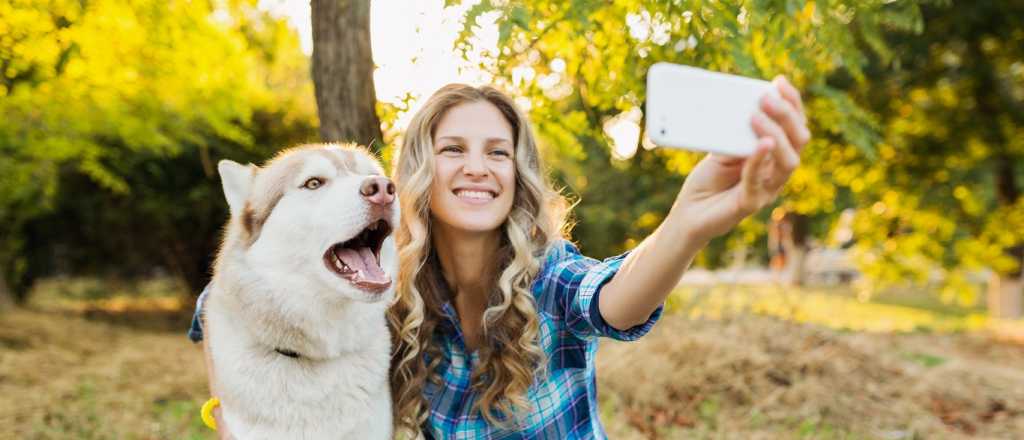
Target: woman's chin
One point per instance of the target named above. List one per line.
(483, 228)
(476, 226)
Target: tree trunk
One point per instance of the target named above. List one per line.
(1005, 294)
(1006, 290)
(343, 72)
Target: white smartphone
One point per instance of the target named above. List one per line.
(701, 110)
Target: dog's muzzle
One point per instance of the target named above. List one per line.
(358, 259)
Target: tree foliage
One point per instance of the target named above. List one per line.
(945, 193)
(114, 114)
(583, 63)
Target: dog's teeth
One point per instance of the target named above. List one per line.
(373, 226)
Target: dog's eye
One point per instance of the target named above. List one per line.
(313, 183)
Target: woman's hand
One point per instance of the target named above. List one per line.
(721, 191)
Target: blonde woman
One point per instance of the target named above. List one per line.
(497, 315)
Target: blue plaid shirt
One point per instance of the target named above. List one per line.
(565, 401)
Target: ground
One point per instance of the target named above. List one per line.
(116, 368)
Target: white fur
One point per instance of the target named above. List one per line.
(276, 292)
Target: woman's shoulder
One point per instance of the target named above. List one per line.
(557, 251)
(560, 255)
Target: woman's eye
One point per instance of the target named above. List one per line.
(501, 153)
(451, 148)
(313, 183)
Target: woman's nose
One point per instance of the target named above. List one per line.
(475, 164)
(378, 190)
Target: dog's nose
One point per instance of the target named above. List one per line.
(378, 190)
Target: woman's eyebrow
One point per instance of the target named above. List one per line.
(455, 139)
(498, 140)
(462, 141)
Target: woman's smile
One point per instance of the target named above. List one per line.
(474, 196)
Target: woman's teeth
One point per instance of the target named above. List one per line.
(477, 195)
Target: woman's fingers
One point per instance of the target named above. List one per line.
(790, 94)
(782, 132)
(791, 100)
(785, 158)
(787, 117)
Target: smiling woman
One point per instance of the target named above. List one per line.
(478, 216)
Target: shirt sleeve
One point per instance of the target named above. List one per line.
(576, 280)
(195, 331)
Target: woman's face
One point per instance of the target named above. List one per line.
(474, 168)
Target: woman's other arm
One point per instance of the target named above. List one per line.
(198, 332)
(222, 428)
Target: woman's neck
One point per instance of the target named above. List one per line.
(467, 259)
(468, 264)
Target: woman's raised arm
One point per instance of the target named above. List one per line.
(719, 193)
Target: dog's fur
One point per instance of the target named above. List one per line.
(273, 293)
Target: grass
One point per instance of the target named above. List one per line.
(99, 366)
(87, 362)
(836, 308)
(749, 376)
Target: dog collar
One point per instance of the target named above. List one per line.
(286, 352)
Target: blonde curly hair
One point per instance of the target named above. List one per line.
(510, 356)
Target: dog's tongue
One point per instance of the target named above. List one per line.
(362, 261)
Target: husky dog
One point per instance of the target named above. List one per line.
(297, 331)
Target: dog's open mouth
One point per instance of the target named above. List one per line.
(358, 259)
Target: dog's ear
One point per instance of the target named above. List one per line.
(237, 182)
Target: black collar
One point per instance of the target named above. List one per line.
(286, 352)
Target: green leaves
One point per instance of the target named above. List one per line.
(839, 115)
(107, 101)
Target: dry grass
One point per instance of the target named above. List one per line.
(108, 368)
(758, 377)
(99, 376)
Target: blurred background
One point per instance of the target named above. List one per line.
(881, 297)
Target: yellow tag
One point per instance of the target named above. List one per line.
(207, 412)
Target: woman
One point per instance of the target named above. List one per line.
(497, 315)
